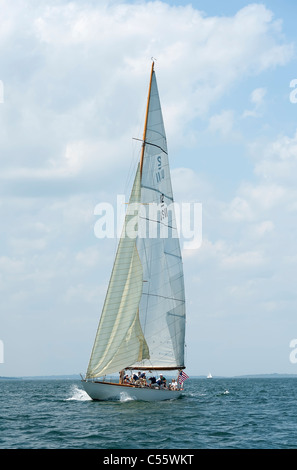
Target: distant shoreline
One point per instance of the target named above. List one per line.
(77, 377)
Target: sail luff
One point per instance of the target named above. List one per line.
(146, 118)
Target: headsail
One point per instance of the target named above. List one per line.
(119, 340)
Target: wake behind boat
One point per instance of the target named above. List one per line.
(142, 325)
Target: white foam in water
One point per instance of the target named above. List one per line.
(125, 397)
(78, 394)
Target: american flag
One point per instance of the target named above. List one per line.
(182, 377)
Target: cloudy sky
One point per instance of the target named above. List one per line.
(74, 78)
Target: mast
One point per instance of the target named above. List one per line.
(145, 122)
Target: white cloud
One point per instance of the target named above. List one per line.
(11, 266)
(257, 99)
(261, 229)
(264, 196)
(86, 76)
(242, 261)
(75, 76)
(239, 209)
(222, 123)
(245, 268)
(257, 96)
(280, 161)
(188, 186)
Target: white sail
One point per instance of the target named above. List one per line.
(143, 319)
(162, 305)
(119, 340)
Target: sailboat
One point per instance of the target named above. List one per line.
(209, 376)
(142, 324)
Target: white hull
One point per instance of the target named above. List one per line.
(110, 391)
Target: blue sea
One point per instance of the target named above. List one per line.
(218, 413)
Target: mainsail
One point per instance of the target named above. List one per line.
(143, 319)
(162, 304)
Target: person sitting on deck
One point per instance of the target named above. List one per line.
(153, 381)
(142, 379)
(136, 378)
(161, 381)
(173, 385)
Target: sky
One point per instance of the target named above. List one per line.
(74, 80)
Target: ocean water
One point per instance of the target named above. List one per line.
(235, 413)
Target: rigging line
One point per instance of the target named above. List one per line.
(157, 190)
(149, 143)
(131, 171)
(172, 254)
(164, 297)
(159, 222)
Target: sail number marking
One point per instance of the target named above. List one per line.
(160, 173)
(164, 210)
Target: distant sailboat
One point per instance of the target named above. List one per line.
(209, 376)
(142, 325)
